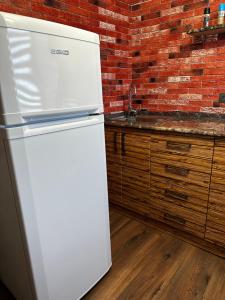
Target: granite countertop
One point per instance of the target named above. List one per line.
(189, 123)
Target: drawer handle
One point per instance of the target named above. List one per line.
(178, 146)
(115, 142)
(175, 219)
(176, 195)
(177, 170)
(123, 143)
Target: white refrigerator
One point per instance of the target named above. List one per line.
(54, 220)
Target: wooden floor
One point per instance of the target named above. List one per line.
(149, 264)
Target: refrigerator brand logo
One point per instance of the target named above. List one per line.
(60, 52)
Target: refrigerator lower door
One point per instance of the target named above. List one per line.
(61, 188)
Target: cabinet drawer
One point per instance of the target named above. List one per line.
(215, 236)
(178, 211)
(199, 165)
(217, 201)
(219, 160)
(177, 221)
(215, 226)
(184, 146)
(220, 142)
(180, 173)
(218, 180)
(218, 169)
(194, 190)
(216, 211)
(177, 195)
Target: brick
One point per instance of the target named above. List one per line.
(171, 11)
(107, 26)
(178, 78)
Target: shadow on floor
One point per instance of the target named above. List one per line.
(4, 293)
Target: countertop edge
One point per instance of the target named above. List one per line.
(194, 131)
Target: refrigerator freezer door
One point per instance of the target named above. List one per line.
(47, 75)
(38, 25)
(62, 194)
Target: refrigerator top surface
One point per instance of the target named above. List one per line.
(8, 20)
(46, 75)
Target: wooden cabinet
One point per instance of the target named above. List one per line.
(215, 227)
(174, 179)
(135, 170)
(180, 178)
(128, 168)
(114, 167)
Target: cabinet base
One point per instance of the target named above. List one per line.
(184, 236)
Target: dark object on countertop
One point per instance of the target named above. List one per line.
(217, 29)
(49, 2)
(138, 101)
(143, 111)
(206, 17)
(222, 98)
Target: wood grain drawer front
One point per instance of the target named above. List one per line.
(114, 191)
(114, 172)
(114, 195)
(185, 146)
(216, 236)
(178, 185)
(179, 196)
(130, 194)
(183, 162)
(220, 142)
(135, 189)
(215, 226)
(218, 170)
(217, 183)
(113, 143)
(216, 210)
(135, 151)
(177, 221)
(114, 175)
(137, 180)
(187, 214)
(185, 174)
(219, 159)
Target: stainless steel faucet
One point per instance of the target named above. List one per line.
(132, 92)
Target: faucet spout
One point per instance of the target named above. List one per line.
(132, 92)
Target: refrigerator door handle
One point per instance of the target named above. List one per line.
(42, 116)
(54, 126)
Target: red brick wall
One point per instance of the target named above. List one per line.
(172, 70)
(145, 42)
(109, 18)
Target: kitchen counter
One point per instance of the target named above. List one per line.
(189, 123)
